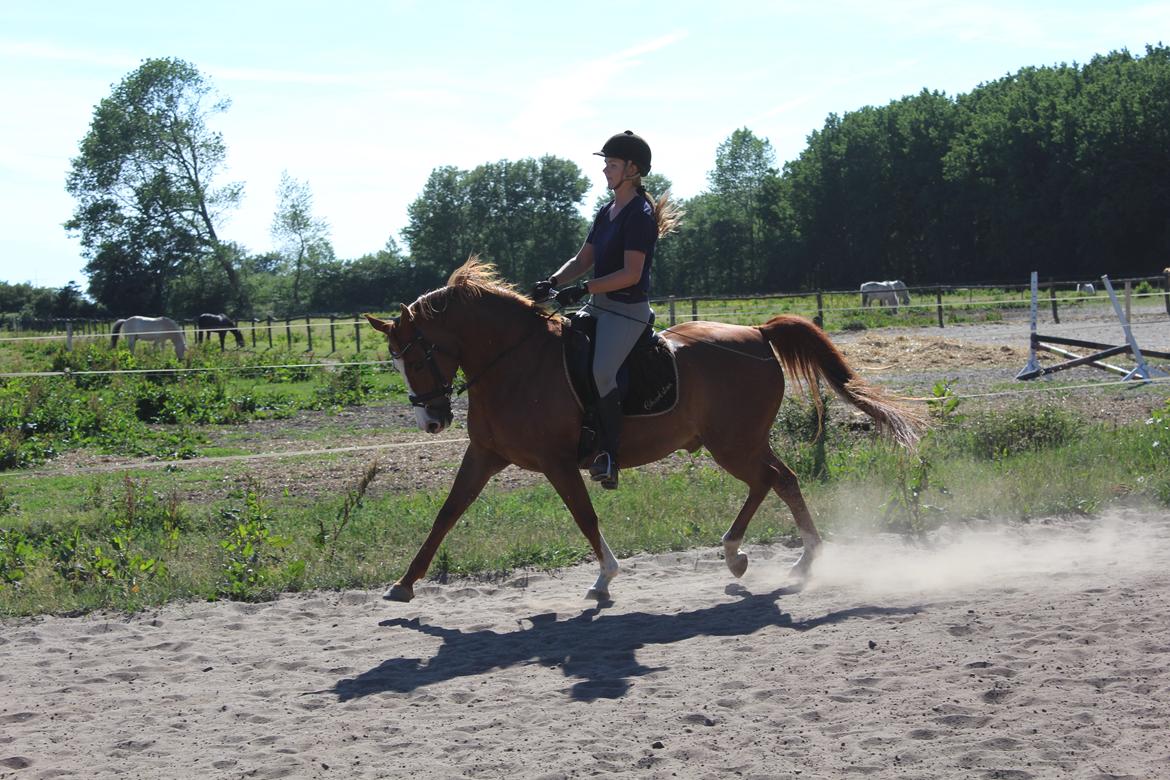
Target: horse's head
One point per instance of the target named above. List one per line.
(426, 357)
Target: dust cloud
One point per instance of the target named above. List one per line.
(1049, 551)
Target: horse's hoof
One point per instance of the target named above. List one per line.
(597, 595)
(399, 592)
(738, 564)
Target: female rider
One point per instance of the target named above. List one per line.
(620, 250)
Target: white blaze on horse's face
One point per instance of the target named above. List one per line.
(426, 422)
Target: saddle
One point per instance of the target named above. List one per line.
(647, 380)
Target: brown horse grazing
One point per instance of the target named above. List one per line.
(522, 410)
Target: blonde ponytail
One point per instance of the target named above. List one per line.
(667, 212)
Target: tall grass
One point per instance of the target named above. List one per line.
(120, 413)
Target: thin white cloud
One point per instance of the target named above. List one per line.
(571, 94)
(789, 105)
(49, 52)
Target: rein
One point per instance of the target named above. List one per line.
(694, 339)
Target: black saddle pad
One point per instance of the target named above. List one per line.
(647, 380)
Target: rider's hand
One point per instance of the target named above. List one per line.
(570, 295)
(541, 291)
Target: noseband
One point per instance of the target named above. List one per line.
(442, 388)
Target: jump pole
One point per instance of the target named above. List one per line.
(1036, 341)
(1032, 368)
(1141, 370)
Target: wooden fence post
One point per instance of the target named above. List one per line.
(671, 303)
(332, 335)
(1052, 297)
(270, 331)
(695, 308)
(254, 322)
(288, 332)
(938, 304)
(357, 332)
(820, 318)
(309, 331)
(68, 335)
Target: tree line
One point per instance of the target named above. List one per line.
(1060, 169)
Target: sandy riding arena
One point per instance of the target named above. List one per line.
(1009, 652)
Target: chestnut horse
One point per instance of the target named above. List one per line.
(522, 410)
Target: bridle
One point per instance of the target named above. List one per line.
(443, 388)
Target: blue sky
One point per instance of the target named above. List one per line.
(363, 100)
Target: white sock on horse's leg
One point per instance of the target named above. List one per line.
(609, 570)
(737, 562)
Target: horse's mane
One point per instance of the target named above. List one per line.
(474, 279)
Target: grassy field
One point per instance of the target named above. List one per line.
(843, 311)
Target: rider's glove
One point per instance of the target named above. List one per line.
(570, 295)
(541, 291)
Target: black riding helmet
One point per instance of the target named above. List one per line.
(627, 146)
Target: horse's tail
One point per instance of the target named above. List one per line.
(807, 353)
(116, 330)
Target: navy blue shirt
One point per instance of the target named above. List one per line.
(634, 229)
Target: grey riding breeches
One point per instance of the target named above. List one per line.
(618, 327)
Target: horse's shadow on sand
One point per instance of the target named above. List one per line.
(598, 649)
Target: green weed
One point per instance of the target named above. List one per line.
(250, 548)
(328, 534)
(1001, 434)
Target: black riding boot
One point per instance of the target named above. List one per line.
(605, 466)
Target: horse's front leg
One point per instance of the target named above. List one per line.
(477, 468)
(566, 478)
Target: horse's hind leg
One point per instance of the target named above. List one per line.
(760, 474)
(737, 561)
(788, 488)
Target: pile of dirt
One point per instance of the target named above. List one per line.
(884, 352)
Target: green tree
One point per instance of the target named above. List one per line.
(143, 181)
(522, 215)
(744, 163)
(437, 231)
(303, 238)
(373, 282)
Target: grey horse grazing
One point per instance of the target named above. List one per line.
(153, 329)
(887, 293)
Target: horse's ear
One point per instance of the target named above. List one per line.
(405, 312)
(379, 324)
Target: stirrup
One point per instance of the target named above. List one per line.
(605, 472)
